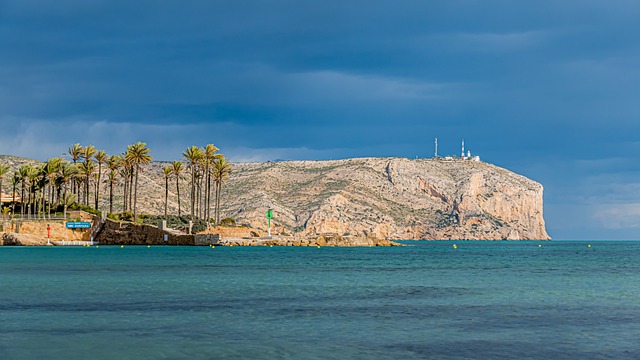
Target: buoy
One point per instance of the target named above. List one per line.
(539, 245)
(121, 246)
(270, 245)
(213, 247)
(148, 246)
(455, 246)
(318, 246)
(589, 245)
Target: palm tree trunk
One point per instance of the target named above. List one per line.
(206, 194)
(218, 202)
(124, 196)
(111, 196)
(13, 199)
(98, 185)
(22, 199)
(135, 197)
(193, 190)
(166, 196)
(178, 191)
(131, 189)
(50, 201)
(64, 202)
(86, 189)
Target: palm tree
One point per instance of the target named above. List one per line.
(23, 172)
(101, 158)
(127, 174)
(86, 170)
(75, 151)
(209, 155)
(50, 170)
(193, 155)
(87, 154)
(176, 166)
(3, 171)
(67, 200)
(113, 164)
(33, 176)
(15, 180)
(67, 173)
(167, 170)
(137, 154)
(221, 170)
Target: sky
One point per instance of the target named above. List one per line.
(548, 89)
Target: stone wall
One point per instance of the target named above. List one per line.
(120, 233)
(38, 228)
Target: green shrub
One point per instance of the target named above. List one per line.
(228, 222)
(90, 210)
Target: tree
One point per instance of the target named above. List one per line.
(125, 173)
(15, 180)
(209, 156)
(113, 164)
(33, 176)
(193, 155)
(85, 171)
(167, 170)
(87, 154)
(75, 151)
(4, 169)
(177, 170)
(137, 154)
(67, 173)
(67, 200)
(101, 158)
(50, 170)
(221, 170)
(23, 172)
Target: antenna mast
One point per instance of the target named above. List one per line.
(436, 147)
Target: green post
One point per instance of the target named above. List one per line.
(269, 217)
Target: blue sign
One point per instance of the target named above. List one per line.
(78, 225)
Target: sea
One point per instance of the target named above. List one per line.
(426, 300)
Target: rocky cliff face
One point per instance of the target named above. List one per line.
(389, 198)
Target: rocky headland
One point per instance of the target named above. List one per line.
(388, 198)
(377, 198)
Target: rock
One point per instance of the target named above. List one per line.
(14, 239)
(389, 198)
(10, 239)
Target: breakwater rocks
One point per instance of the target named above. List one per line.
(15, 239)
(319, 241)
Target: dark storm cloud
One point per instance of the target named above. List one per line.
(547, 88)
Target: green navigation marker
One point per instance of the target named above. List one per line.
(269, 217)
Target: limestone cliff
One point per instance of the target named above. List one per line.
(388, 197)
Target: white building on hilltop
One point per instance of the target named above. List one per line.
(468, 156)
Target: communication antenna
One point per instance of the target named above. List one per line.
(436, 147)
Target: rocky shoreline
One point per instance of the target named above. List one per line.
(110, 232)
(15, 239)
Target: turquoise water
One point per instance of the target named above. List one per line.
(483, 300)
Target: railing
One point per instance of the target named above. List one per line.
(33, 218)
